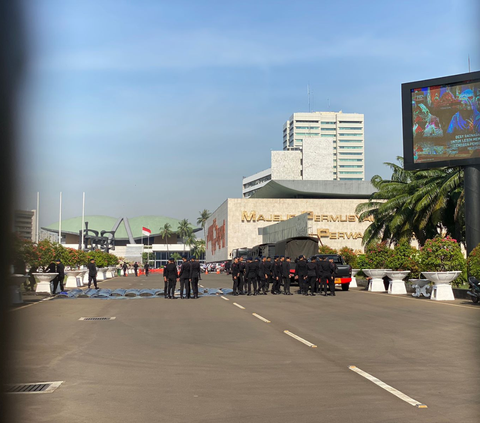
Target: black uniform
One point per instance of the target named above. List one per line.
(331, 282)
(235, 273)
(324, 272)
(312, 274)
(268, 267)
(92, 274)
(135, 268)
(125, 267)
(251, 269)
(301, 273)
(146, 267)
(184, 276)
(286, 277)
(194, 275)
(277, 276)
(170, 276)
(262, 280)
(241, 276)
(60, 269)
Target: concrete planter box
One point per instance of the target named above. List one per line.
(43, 282)
(353, 282)
(15, 293)
(442, 290)
(73, 278)
(397, 285)
(376, 283)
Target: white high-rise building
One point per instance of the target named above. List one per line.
(347, 131)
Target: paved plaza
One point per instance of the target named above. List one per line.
(213, 360)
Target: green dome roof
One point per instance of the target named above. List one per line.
(107, 223)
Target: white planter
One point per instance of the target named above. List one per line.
(106, 273)
(376, 283)
(43, 282)
(112, 271)
(442, 290)
(73, 280)
(15, 281)
(85, 278)
(100, 275)
(397, 285)
(421, 286)
(353, 282)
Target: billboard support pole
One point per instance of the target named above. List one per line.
(472, 206)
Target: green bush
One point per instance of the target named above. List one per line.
(361, 264)
(442, 255)
(325, 249)
(404, 257)
(377, 256)
(473, 262)
(349, 256)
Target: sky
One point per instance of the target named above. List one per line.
(156, 107)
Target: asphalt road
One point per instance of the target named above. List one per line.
(208, 360)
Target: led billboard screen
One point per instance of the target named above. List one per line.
(441, 121)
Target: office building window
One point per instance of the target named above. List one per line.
(350, 154)
(350, 147)
(351, 135)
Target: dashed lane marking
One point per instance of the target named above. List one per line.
(261, 318)
(239, 306)
(225, 298)
(388, 388)
(303, 341)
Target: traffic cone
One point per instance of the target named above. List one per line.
(206, 271)
(218, 271)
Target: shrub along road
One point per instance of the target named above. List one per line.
(209, 360)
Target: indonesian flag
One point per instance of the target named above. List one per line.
(146, 231)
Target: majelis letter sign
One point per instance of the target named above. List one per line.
(253, 216)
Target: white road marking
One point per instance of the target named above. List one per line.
(225, 298)
(29, 305)
(239, 306)
(261, 318)
(388, 388)
(303, 341)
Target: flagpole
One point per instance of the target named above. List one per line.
(38, 219)
(83, 221)
(60, 221)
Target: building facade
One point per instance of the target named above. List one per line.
(236, 223)
(25, 224)
(347, 132)
(310, 163)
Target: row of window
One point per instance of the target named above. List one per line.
(350, 147)
(350, 135)
(257, 181)
(350, 172)
(357, 166)
(350, 160)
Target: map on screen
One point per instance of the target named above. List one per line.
(446, 122)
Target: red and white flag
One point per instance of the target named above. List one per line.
(146, 231)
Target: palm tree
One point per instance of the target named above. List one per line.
(202, 220)
(414, 204)
(183, 230)
(198, 248)
(190, 239)
(166, 232)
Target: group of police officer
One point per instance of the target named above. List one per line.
(254, 276)
(188, 274)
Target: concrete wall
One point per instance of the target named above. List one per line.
(333, 220)
(217, 234)
(286, 165)
(317, 159)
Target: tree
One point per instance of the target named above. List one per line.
(417, 204)
(198, 248)
(202, 220)
(166, 232)
(190, 239)
(184, 229)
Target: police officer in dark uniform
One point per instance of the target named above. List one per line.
(324, 273)
(251, 269)
(92, 273)
(235, 272)
(170, 276)
(241, 276)
(277, 275)
(268, 273)
(286, 275)
(331, 281)
(312, 274)
(60, 269)
(194, 275)
(262, 276)
(301, 273)
(184, 276)
(135, 268)
(146, 267)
